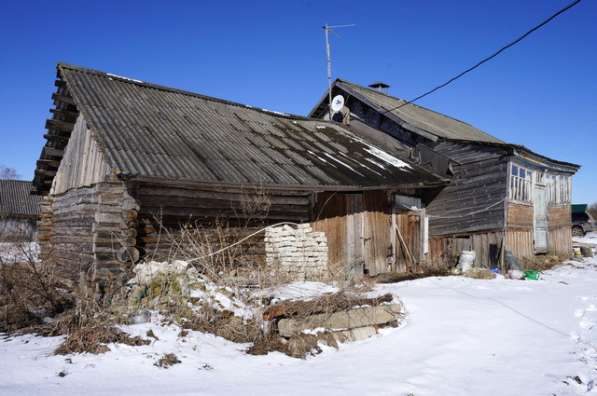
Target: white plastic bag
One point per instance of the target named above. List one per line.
(466, 260)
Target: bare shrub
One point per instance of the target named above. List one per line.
(30, 292)
(225, 324)
(90, 325)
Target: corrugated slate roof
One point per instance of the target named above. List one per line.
(16, 199)
(148, 130)
(417, 119)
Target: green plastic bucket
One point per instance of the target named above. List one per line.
(531, 275)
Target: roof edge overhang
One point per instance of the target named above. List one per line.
(183, 183)
(524, 152)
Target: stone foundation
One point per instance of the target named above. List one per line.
(298, 252)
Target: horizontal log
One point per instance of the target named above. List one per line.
(59, 125)
(67, 115)
(56, 97)
(52, 152)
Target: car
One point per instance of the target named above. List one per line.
(582, 222)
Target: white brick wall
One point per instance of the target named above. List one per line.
(299, 252)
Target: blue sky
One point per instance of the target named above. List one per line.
(541, 93)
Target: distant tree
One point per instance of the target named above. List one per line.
(8, 173)
(592, 209)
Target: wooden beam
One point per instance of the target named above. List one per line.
(67, 115)
(64, 99)
(45, 172)
(54, 137)
(48, 164)
(52, 152)
(59, 125)
(60, 83)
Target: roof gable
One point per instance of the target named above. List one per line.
(414, 118)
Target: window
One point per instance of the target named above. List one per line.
(558, 188)
(520, 184)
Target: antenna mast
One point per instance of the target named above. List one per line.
(327, 29)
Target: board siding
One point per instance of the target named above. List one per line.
(476, 188)
(83, 163)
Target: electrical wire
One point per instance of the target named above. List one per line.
(488, 58)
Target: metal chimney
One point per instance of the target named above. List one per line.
(380, 87)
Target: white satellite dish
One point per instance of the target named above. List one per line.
(337, 103)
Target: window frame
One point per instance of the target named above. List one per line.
(520, 184)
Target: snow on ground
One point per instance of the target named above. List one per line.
(461, 337)
(591, 237)
(11, 252)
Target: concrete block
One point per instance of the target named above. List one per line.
(353, 318)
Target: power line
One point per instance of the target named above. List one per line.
(490, 57)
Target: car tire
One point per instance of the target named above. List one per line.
(578, 231)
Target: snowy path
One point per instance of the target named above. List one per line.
(462, 337)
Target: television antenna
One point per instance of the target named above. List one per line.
(327, 29)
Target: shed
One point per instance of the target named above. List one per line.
(128, 164)
(19, 211)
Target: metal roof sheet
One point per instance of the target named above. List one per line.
(148, 130)
(16, 199)
(417, 118)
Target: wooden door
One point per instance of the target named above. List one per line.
(540, 218)
(354, 234)
(377, 245)
(408, 246)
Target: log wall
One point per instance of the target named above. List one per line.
(89, 230)
(218, 215)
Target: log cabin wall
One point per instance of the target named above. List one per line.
(219, 215)
(88, 229)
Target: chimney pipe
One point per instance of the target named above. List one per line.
(380, 87)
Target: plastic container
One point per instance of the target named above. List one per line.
(531, 275)
(466, 260)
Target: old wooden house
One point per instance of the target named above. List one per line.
(19, 211)
(501, 197)
(127, 163)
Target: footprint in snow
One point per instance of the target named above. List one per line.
(579, 313)
(586, 324)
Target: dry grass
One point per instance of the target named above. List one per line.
(541, 263)
(394, 277)
(327, 303)
(225, 324)
(29, 293)
(90, 325)
(479, 273)
(167, 360)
